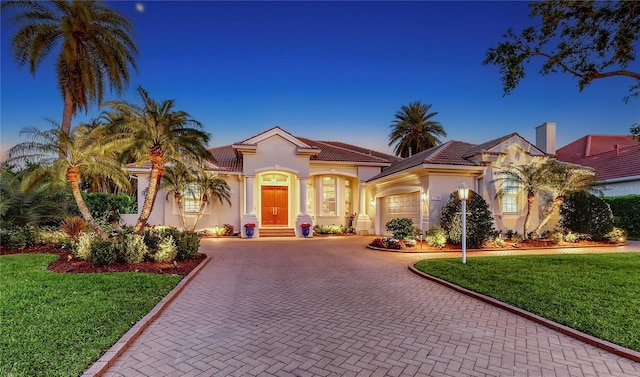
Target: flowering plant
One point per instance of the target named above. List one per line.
(305, 225)
(250, 225)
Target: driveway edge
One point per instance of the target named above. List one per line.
(103, 363)
(592, 340)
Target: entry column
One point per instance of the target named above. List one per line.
(249, 216)
(303, 217)
(363, 221)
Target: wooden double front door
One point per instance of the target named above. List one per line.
(275, 205)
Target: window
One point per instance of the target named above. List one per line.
(191, 199)
(328, 195)
(510, 189)
(347, 197)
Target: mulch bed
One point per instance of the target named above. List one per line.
(509, 245)
(66, 264)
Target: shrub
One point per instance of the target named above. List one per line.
(499, 242)
(109, 206)
(17, 241)
(509, 233)
(625, 212)
(134, 248)
(103, 252)
(556, 236)
(166, 251)
(479, 220)
(386, 243)
(588, 214)
(82, 246)
(228, 229)
(46, 235)
(152, 238)
(616, 235)
(187, 245)
(436, 236)
(73, 226)
(401, 228)
(517, 237)
(571, 237)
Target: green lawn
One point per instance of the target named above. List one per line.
(598, 294)
(58, 324)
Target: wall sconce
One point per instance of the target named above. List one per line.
(423, 197)
(372, 203)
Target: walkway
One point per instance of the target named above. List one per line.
(330, 307)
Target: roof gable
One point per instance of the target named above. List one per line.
(275, 131)
(500, 144)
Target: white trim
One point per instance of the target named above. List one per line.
(621, 179)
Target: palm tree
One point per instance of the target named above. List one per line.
(94, 44)
(414, 130)
(210, 187)
(83, 154)
(154, 132)
(564, 180)
(176, 181)
(532, 179)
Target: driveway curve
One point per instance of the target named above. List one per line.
(330, 307)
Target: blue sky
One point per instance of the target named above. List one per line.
(330, 71)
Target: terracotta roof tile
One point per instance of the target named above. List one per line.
(333, 151)
(449, 153)
(607, 163)
(226, 159)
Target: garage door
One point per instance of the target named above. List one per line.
(399, 206)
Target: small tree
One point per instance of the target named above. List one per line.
(479, 220)
(588, 214)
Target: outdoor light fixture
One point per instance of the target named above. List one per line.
(423, 196)
(372, 203)
(463, 194)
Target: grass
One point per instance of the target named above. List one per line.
(598, 294)
(58, 324)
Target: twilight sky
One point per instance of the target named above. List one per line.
(330, 71)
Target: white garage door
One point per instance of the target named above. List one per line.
(399, 206)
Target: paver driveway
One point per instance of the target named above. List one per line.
(330, 307)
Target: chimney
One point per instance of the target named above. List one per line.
(617, 149)
(546, 137)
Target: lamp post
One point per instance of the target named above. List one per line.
(463, 194)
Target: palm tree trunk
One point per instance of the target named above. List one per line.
(150, 199)
(199, 215)
(527, 218)
(73, 177)
(67, 115)
(556, 204)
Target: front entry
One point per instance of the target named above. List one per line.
(275, 205)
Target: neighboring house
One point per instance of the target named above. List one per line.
(615, 159)
(279, 181)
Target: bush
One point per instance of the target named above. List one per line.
(401, 228)
(73, 226)
(386, 243)
(17, 241)
(499, 242)
(134, 248)
(571, 237)
(436, 236)
(109, 206)
(18, 238)
(103, 252)
(616, 235)
(588, 214)
(479, 220)
(187, 245)
(166, 251)
(81, 249)
(625, 212)
(228, 229)
(46, 235)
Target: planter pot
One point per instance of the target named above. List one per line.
(305, 231)
(249, 232)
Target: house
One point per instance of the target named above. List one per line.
(615, 159)
(279, 181)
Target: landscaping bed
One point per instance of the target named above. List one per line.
(66, 264)
(424, 247)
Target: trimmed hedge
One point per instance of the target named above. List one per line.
(626, 212)
(479, 220)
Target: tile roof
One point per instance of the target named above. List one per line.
(227, 159)
(599, 152)
(449, 153)
(335, 151)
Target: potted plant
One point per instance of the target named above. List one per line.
(305, 229)
(249, 229)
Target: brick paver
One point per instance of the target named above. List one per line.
(330, 307)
